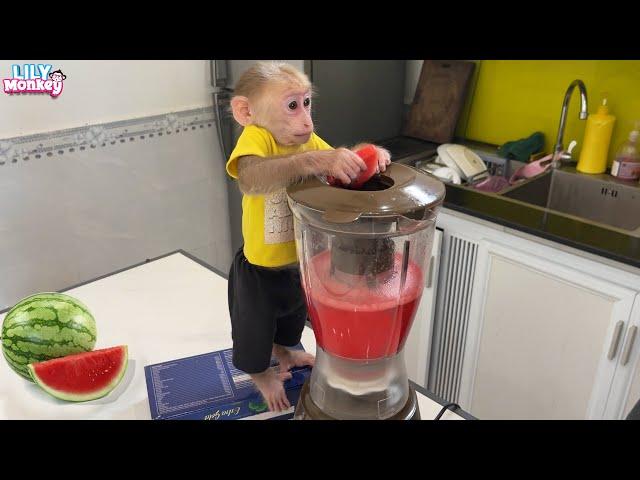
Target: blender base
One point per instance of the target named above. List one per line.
(306, 409)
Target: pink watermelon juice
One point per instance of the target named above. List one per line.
(360, 321)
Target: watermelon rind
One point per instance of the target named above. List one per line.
(50, 335)
(70, 397)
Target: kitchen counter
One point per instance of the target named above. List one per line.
(167, 308)
(592, 237)
(541, 222)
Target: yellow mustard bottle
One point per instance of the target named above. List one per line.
(597, 137)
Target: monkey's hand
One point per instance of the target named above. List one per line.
(341, 164)
(384, 159)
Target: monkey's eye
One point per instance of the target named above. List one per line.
(293, 105)
(307, 102)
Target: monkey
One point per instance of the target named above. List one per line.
(277, 148)
(57, 76)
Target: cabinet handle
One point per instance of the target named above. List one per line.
(628, 345)
(613, 348)
(430, 279)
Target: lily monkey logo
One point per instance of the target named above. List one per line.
(34, 78)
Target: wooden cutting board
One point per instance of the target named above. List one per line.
(439, 99)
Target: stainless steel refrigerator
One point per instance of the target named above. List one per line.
(357, 100)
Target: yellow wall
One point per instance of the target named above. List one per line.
(514, 98)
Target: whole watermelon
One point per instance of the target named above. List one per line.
(45, 326)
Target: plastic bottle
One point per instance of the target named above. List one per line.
(597, 137)
(626, 165)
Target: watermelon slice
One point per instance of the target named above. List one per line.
(83, 376)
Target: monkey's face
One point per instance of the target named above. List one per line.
(286, 113)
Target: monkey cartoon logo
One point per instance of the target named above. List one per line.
(57, 76)
(34, 78)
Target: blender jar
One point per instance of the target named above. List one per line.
(363, 258)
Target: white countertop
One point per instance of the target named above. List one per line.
(169, 308)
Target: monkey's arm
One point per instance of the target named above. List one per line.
(257, 175)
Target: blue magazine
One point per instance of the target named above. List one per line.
(209, 387)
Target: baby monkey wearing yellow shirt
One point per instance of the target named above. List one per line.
(277, 147)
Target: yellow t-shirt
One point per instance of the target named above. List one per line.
(267, 222)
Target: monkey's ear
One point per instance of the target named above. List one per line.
(241, 111)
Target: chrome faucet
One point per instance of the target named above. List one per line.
(558, 156)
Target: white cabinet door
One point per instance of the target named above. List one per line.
(625, 390)
(418, 346)
(540, 337)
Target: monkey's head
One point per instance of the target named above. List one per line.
(275, 96)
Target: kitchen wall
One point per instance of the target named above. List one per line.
(123, 166)
(105, 91)
(514, 98)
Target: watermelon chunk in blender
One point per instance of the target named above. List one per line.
(363, 257)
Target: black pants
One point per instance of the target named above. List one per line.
(267, 306)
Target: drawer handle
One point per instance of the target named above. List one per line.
(626, 351)
(613, 348)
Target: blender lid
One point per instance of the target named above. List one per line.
(400, 190)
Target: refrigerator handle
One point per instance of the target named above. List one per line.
(213, 69)
(218, 70)
(218, 119)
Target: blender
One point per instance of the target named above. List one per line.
(363, 259)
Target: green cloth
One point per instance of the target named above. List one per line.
(522, 149)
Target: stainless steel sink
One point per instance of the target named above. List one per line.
(599, 198)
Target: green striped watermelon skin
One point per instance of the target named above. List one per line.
(46, 326)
